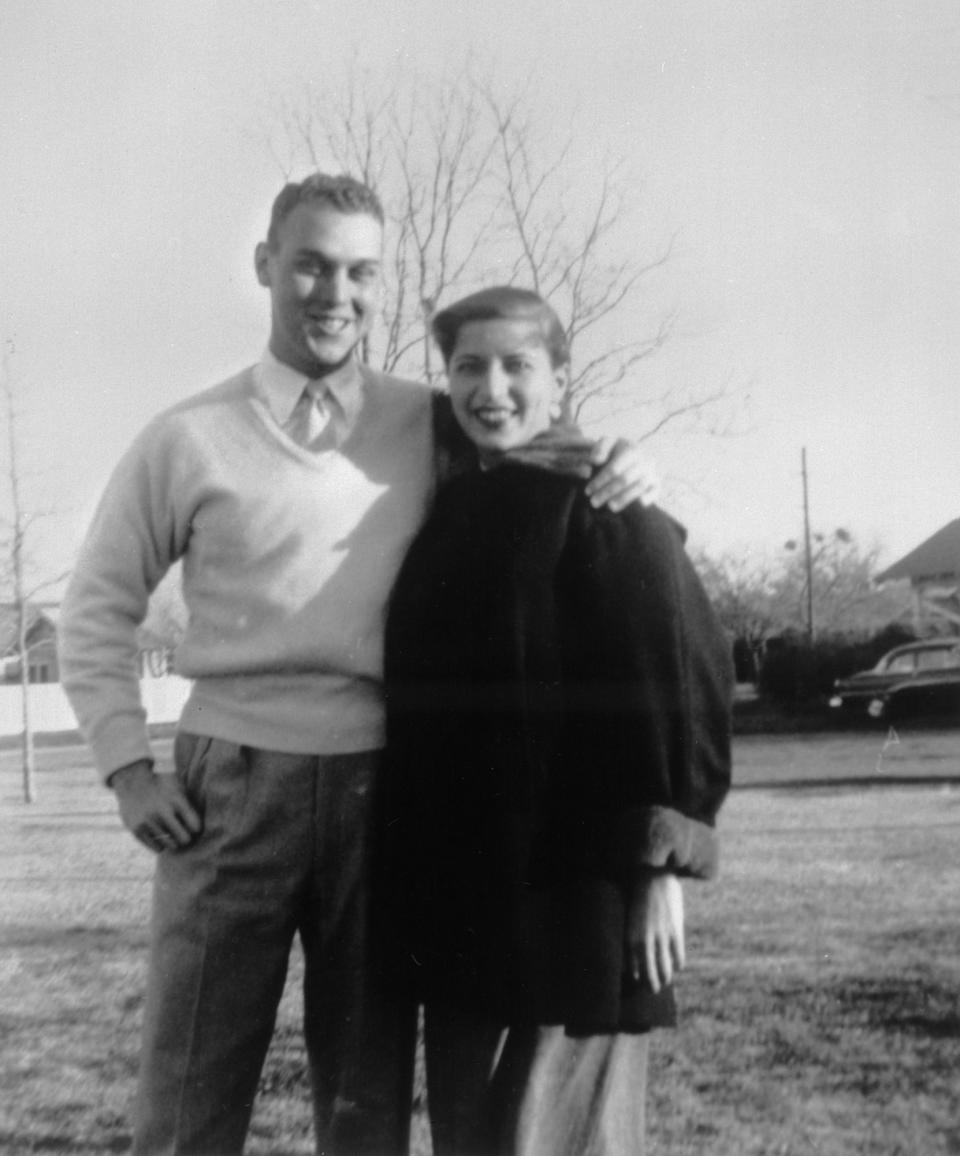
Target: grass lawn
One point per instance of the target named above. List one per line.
(820, 1012)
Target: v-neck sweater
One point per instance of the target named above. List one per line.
(288, 560)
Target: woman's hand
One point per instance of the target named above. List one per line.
(654, 948)
(624, 475)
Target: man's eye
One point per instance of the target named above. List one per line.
(365, 275)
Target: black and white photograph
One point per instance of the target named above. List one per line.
(480, 578)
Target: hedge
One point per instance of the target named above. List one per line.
(794, 673)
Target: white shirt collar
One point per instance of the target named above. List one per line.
(282, 387)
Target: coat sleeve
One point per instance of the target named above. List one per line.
(648, 694)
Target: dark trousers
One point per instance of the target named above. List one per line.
(285, 850)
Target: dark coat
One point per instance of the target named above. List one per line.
(558, 705)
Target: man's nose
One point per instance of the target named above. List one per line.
(335, 287)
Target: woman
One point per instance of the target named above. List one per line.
(558, 747)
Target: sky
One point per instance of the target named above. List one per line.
(805, 154)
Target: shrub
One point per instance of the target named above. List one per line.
(793, 673)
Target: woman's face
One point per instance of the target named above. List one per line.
(502, 384)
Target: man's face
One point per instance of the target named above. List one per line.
(324, 277)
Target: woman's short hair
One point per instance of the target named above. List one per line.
(501, 303)
(343, 194)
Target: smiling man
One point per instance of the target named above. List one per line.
(323, 272)
(290, 493)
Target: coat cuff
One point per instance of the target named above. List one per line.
(663, 838)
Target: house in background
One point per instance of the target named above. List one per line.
(933, 570)
(154, 652)
(154, 646)
(42, 664)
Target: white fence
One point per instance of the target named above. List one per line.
(163, 699)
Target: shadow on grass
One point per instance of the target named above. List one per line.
(764, 716)
(911, 1005)
(13, 1144)
(89, 941)
(846, 1065)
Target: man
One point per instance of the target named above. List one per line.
(290, 493)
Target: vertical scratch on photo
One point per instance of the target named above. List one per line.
(892, 740)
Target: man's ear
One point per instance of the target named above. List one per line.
(261, 262)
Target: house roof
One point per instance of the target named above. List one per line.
(49, 613)
(36, 612)
(935, 560)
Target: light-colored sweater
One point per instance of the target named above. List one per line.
(288, 561)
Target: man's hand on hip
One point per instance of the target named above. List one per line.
(155, 807)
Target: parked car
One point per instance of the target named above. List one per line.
(919, 678)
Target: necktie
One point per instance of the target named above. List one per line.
(310, 424)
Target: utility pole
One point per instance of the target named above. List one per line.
(808, 557)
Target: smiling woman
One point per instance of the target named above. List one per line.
(507, 365)
(558, 696)
(502, 385)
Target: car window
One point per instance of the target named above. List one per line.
(937, 659)
(900, 664)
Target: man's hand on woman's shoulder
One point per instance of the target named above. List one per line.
(625, 474)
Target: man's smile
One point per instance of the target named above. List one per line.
(328, 323)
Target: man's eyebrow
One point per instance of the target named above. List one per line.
(319, 255)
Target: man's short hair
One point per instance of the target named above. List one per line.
(343, 194)
(502, 303)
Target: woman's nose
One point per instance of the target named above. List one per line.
(496, 382)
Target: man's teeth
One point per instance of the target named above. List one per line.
(331, 324)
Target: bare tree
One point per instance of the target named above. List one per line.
(844, 596)
(16, 570)
(479, 188)
(565, 255)
(427, 153)
(758, 599)
(742, 591)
